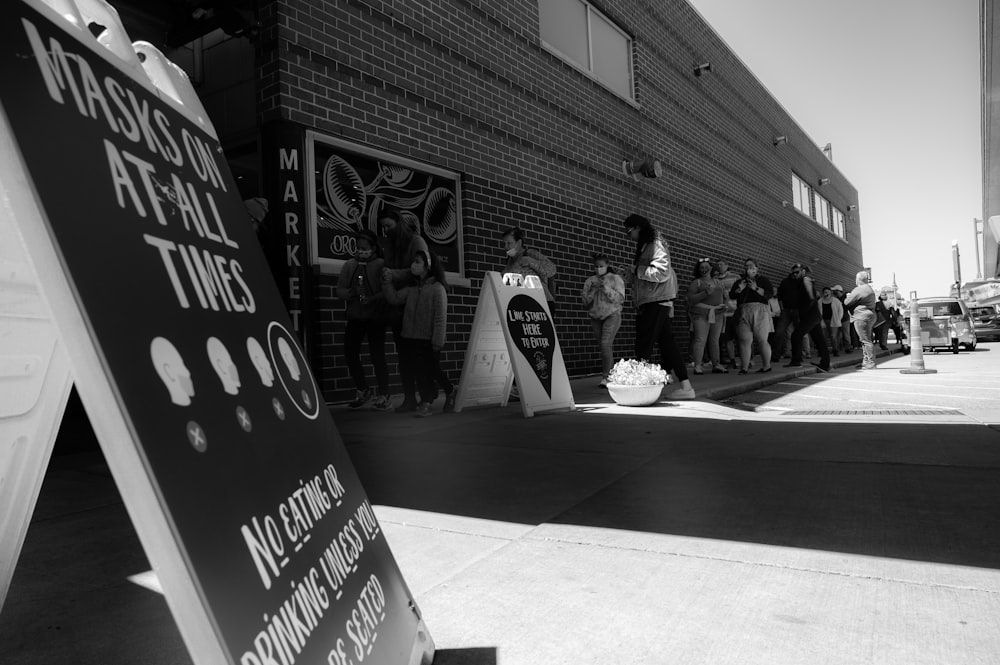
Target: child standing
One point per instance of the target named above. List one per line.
(358, 284)
(425, 319)
(604, 294)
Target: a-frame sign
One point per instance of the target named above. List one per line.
(513, 338)
(114, 189)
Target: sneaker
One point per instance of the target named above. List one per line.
(406, 407)
(681, 393)
(698, 369)
(423, 410)
(361, 398)
(449, 402)
(821, 367)
(382, 403)
(719, 369)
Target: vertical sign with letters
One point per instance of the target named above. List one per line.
(184, 355)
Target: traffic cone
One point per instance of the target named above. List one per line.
(916, 343)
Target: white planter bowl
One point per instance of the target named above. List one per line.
(635, 395)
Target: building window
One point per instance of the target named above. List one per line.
(838, 224)
(575, 31)
(822, 210)
(801, 195)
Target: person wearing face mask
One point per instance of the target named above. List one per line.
(707, 307)
(522, 261)
(425, 320)
(753, 315)
(359, 285)
(604, 293)
(654, 288)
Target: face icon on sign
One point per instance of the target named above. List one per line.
(222, 362)
(172, 371)
(260, 361)
(289, 357)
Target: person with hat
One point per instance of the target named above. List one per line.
(846, 329)
(790, 295)
(654, 287)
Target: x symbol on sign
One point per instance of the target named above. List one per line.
(278, 410)
(244, 418)
(196, 435)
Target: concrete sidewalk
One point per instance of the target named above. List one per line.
(655, 535)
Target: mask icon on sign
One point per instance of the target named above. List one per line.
(260, 362)
(172, 371)
(222, 362)
(289, 357)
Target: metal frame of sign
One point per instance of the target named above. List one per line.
(219, 504)
(497, 355)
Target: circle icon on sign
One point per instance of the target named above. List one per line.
(223, 365)
(260, 361)
(172, 371)
(293, 370)
(196, 435)
(244, 419)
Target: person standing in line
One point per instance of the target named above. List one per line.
(654, 287)
(360, 286)
(728, 337)
(604, 293)
(831, 312)
(790, 294)
(706, 306)
(425, 321)
(753, 315)
(847, 344)
(883, 321)
(860, 302)
(808, 324)
(523, 261)
(400, 245)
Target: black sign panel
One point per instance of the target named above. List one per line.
(532, 332)
(276, 530)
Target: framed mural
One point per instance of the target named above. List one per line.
(351, 185)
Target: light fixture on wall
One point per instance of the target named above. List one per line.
(852, 207)
(785, 204)
(780, 140)
(650, 168)
(703, 67)
(824, 181)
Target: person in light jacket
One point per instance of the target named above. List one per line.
(604, 293)
(654, 287)
(523, 261)
(860, 302)
(832, 312)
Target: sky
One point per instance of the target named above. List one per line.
(894, 86)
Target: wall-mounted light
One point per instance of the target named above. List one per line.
(780, 140)
(852, 207)
(703, 67)
(785, 204)
(824, 181)
(650, 168)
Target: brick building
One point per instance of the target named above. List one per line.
(478, 115)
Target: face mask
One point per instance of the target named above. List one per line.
(417, 271)
(363, 255)
(602, 270)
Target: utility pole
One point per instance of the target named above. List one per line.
(956, 266)
(977, 232)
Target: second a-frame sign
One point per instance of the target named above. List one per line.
(229, 464)
(513, 338)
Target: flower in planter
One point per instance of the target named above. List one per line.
(633, 372)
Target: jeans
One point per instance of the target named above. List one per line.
(354, 334)
(706, 333)
(789, 317)
(408, 377)
(863, 322)
(809, 324)
(420, 361)
(832, 336)
(604, 332)
(652, 326)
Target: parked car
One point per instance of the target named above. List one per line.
(945, 323)
(987, 323)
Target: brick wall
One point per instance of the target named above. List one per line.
(466, 85)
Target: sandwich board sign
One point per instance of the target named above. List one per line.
(513, 338)
(231, 469)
